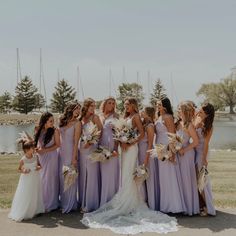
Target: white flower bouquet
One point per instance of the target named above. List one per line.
(123, 132)
(70, 174)
(175, 142)
(101, 154)
(92, 135)
(140, 174)
(161, 152)
(202, 178)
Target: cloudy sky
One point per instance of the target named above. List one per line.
(192, 42)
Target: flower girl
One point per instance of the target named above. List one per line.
(28, 199)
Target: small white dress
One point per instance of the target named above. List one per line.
(28, 199)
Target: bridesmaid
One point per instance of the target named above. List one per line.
(204, 127)
(171, 193)
(89, 181)
(186, 156)
(47, 141)
(70, 131)
(150, 188)
(110, 169)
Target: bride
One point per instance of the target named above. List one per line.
(127, 213)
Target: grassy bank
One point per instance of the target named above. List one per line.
(222, 166)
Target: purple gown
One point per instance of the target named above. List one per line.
(49, 175)
(150, 189)
(110, 171)
(188, 176)
(207, 190)
(69, 197)
(171, 193)
(89, 178)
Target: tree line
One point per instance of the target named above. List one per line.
(27, 97)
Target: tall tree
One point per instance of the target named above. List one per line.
(129, 90)
(63, 94)
(221, 95)
(5, 102)
(39, 101)
(24, 100)
(158, 92)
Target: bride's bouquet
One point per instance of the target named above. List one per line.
(101, 154)
(92, 135)
(202, 178)
(140, 174)
(161, 152)
(123, 132)
(70, 174)
(175, 142)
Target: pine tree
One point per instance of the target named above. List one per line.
(158, 92)
(5, 102)
(39, 101)
(64, 93)
(24, 100)
(129, 90)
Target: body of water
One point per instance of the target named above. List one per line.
(224, 136)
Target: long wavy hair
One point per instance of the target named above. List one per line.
(187, 110)
(104, 103)
(68, 113)
(50, 131)
(87, 103)
(134, 103)
(150, 111)
(209, 110)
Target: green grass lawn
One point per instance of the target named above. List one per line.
(222, 167)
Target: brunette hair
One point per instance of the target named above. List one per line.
(209, 110)
(87, 103)
(68, 113)
(50, 131)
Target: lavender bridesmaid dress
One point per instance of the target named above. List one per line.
(89, 178)
(188, 176)
(49, 175)
(69, 197)
(150, 189)
(171, 193)
(110, 170)
(207, 190)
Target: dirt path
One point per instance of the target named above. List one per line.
(56, 224)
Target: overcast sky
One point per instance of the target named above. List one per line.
(192, 41)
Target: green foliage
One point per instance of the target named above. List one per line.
(129, 90)
(63, 94)
(5, 102)
(158, 92)
(24, 100)
(221, 95)
(39, 101)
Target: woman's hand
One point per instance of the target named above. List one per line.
(38, 168)
(125, 146)
(115, 154)
(181, 152)
(40, 151)
(87, 145)
(74, 163)
(205, 162)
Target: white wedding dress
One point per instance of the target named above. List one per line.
(28, 199)
(127, 213)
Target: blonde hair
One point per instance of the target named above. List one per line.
(188, 112)
(87, 103)
(104, 103)
(134, 103)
